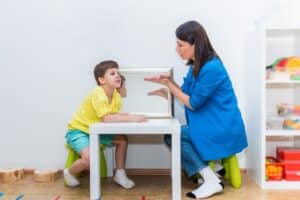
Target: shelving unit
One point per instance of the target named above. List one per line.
(278, 42)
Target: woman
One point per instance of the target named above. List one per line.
(215, 128)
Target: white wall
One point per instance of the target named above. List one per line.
(48, 50)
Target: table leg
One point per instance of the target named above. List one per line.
(176, 164)
(94, 168)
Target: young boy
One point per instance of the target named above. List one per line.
(101, 105)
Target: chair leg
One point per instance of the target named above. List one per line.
(72, 157)
(225, 164)
(212, 165)
(103, 168)
(234, 171)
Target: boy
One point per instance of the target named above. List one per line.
(101, 105)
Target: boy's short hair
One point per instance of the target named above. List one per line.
(102, 67)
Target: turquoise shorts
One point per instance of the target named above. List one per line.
(79, 140)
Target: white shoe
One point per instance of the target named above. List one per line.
(124, 182)
(70, 180)
(207, 189)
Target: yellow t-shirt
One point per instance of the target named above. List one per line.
(93, 108)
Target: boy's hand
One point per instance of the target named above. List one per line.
(137, 118)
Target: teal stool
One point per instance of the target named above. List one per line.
(232, 170)
(73, 156)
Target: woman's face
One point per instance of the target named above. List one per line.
(185, 50)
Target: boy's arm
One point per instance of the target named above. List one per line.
(123, 117)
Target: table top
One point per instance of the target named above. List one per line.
(151, 126)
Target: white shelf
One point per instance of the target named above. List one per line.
(270, 82)
(282, 185)
(284, 133)
(277, 42)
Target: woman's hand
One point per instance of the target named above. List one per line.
(162, 92)
(160, 79)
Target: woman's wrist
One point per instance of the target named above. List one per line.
(169, 83)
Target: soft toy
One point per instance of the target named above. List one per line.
(290, 64)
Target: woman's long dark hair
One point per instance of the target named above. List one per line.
(194, 33)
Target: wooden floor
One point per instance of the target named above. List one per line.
(152, 187)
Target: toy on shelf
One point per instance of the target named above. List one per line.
(291, 124)
(274, 169)
(287, 68)
(288, 110)
(290, 157)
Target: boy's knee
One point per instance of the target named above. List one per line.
(123, 139)
(86, 162)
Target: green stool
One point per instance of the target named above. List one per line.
(73, 156)
(232, 170)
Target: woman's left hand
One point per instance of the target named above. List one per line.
(162, 92)
(160, 79)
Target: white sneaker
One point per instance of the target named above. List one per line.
(121, 179)
(125, 183)
(70, 180)
(207, 189)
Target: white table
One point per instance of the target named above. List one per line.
(152, 126)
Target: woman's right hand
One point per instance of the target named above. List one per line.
(162, 92)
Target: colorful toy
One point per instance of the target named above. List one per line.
(291, 124)
(274, 169)
(20, 197)
(287, 110)
(290, 64)
(57, 197)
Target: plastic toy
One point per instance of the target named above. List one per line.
(20, 197)
(274, 169)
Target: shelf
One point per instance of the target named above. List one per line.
(284, 185)
(283, 133)
(270, 82)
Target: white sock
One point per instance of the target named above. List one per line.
(209, 175)
(69, 179)
(121, 179)
(200, 181)
(211, 185)
(218, 166)
(219, 169)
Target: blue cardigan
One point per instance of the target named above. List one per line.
(215, 122)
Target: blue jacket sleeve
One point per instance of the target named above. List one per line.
(209, 79)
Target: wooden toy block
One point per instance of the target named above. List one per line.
(45, 175)
(11, 175)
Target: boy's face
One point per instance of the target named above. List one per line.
(111, 78)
